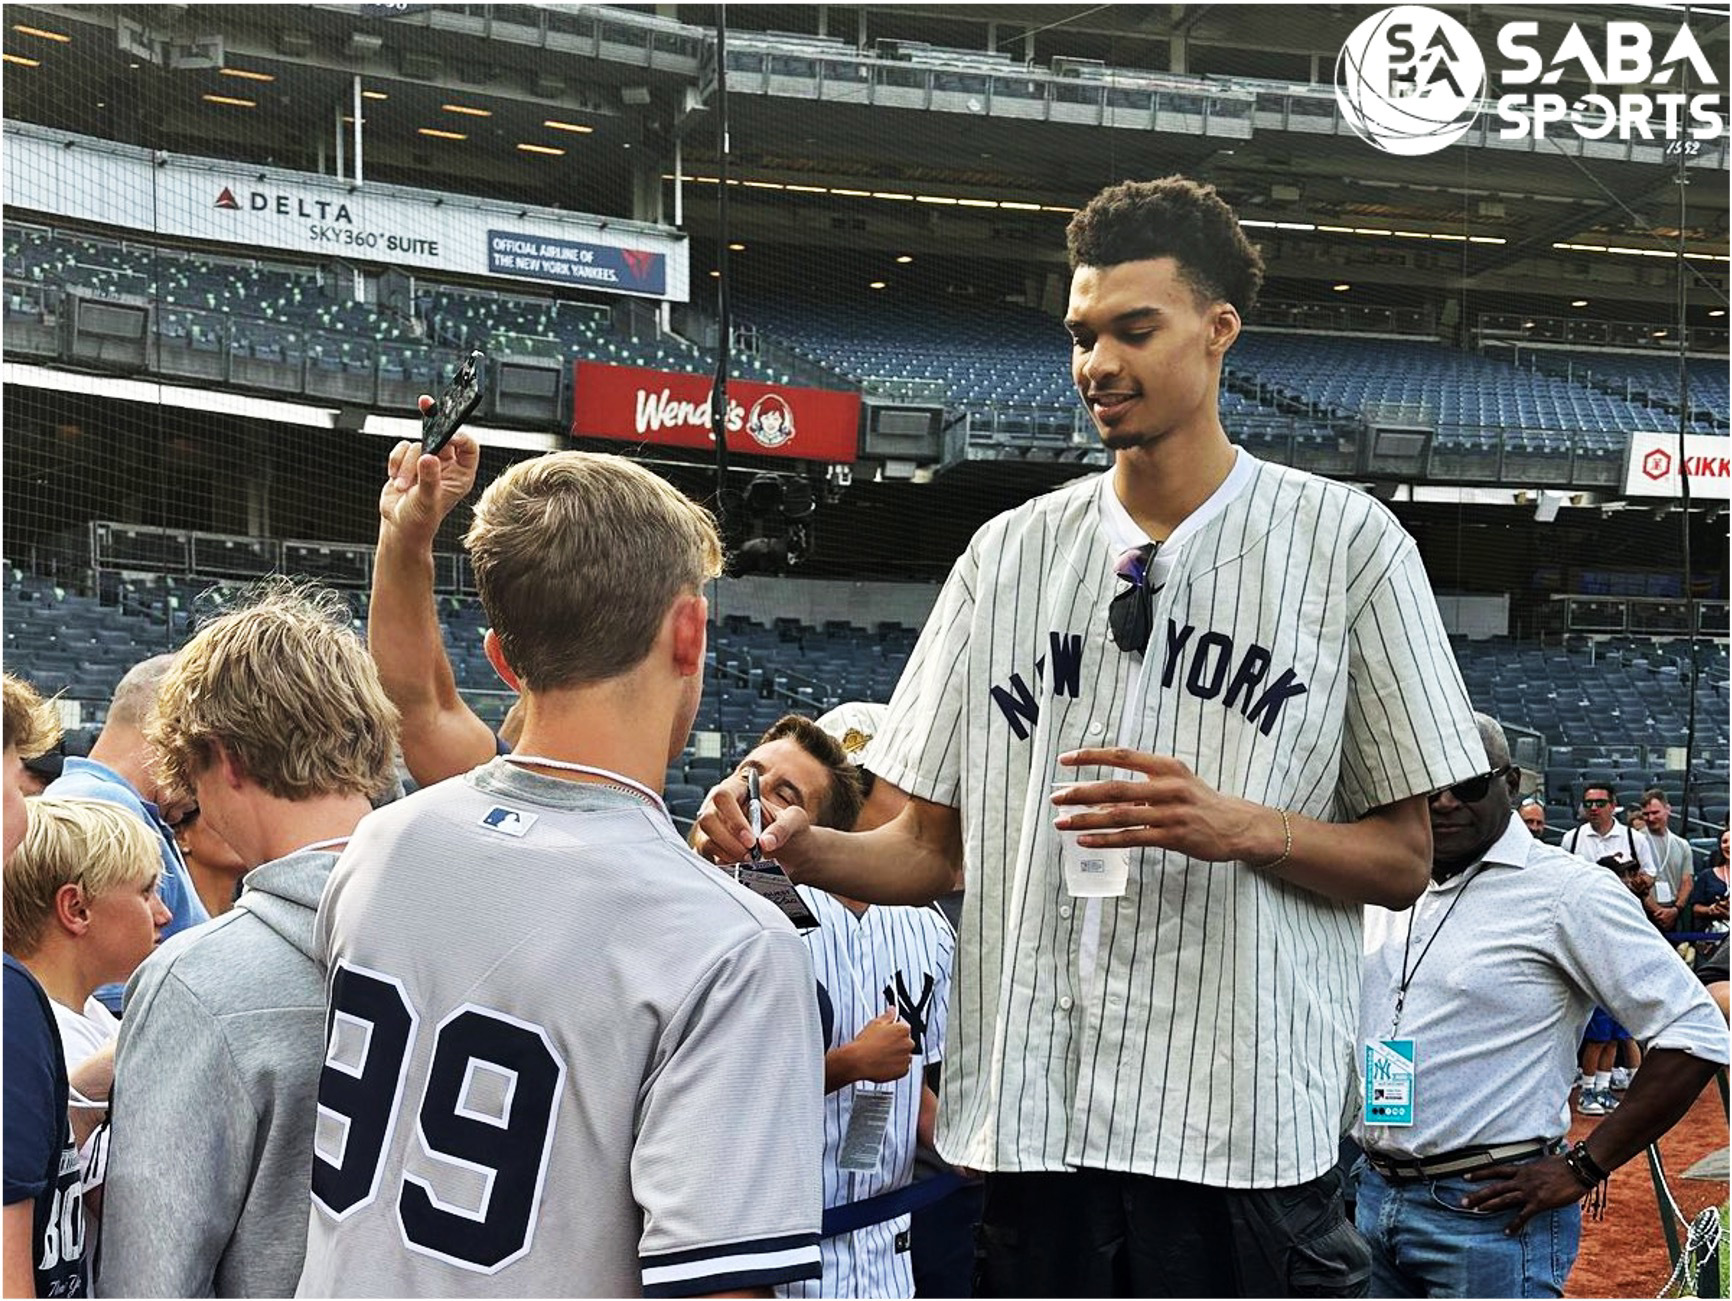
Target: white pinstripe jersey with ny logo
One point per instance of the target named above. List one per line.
(905, 954)
(1201, 1027)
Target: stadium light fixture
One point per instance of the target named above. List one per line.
(878, 284)
(943, 199)
(467, 110)
(230, 100)
(437, 134)
(1718, 311)
(374, 94)
(1578, 302)
(1624, 250)
(21, 60)
(736, 248)
(905, 259)
(576, 128)
(247, 74)
(42, 33)
(1016, 205)
(891, 194)
(1343, 288)
(550, 150)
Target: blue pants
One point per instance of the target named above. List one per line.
(1425, 1243)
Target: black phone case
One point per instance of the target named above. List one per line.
(455, 405)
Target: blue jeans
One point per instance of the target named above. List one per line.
(1425, 1243)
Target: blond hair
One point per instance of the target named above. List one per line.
(89, 843)
(31, 725)
(288, 689)
(578, 557)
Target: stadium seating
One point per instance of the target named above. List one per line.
(294, 314)
(1608, 709)
(1650, 381)
(1341, 376)
(1005, 364)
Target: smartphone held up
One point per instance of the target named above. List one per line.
(441, 421)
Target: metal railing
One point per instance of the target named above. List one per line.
(1645, 335)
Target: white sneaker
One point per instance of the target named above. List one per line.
(1592, 1103)
(1621, 1078)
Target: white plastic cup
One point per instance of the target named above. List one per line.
(1090, 872)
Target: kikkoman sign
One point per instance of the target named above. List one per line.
(1411, 80)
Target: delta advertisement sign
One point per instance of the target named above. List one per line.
(636, 405)
(1653, 466)
(265, 208)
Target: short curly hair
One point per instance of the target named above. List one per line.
(1173, 217)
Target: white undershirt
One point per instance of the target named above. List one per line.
(1123, 533)
(83, 1034)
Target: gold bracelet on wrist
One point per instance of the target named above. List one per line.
(1286, 850)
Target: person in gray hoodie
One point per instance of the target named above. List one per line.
(274, 718)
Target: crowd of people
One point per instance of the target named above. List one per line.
(1020, 993)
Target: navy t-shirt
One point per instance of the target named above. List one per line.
(41, 1161)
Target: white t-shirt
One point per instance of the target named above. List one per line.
(83, 1035)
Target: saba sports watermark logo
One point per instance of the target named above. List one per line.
(1411, 80)
(1408, 80)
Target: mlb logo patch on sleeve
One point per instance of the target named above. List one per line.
(508, 822)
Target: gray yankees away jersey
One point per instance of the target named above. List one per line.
(549, 1030)
(905, 953)
(1201, 1027)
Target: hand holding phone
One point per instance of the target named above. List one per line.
(455, 405)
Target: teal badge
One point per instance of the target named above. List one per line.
(1389, 1082)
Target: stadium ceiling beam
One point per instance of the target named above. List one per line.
(1538, 240)
(1186, 17)
(257, 47)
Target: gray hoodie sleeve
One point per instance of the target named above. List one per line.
(184, 1134)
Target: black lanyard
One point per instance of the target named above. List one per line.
(1407, 976)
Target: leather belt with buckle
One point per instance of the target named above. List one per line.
(1462, 1161)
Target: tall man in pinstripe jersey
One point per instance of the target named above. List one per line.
(1155, 1082)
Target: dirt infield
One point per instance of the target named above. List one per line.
(1624, 1255)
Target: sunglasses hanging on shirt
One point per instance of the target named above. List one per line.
(1131, 616)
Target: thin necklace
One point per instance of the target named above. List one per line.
(636, 789)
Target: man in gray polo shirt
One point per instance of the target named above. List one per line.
(1472, 1004)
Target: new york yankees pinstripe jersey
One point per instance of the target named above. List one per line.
(1201, 1027)
(550, 1025)
(908, 952)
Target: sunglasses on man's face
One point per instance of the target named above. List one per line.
(1595, 804)
(1474, 789)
